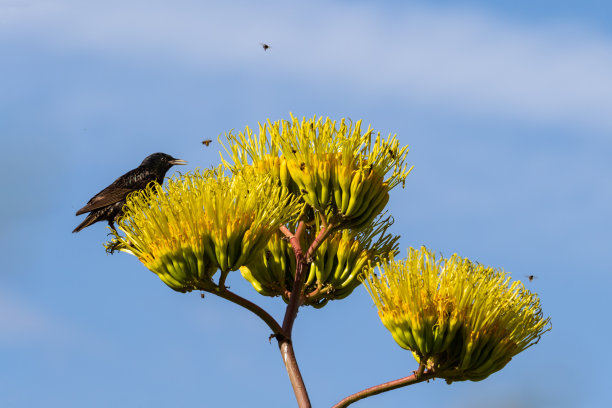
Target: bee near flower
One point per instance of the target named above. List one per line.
(462, 320)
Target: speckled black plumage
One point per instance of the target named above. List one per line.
(107, 205)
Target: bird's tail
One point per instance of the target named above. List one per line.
(90, 219)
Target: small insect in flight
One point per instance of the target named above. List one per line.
(206, 142)
(265, 46)
(531, 277)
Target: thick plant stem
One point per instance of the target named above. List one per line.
(417, 377)
(288, 355)
(295, 301)
(301, 270)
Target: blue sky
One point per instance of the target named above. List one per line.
(506, 107)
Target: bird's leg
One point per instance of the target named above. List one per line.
(111, 224)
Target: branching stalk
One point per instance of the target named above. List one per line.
(247, 304)
(388, 386)
(286, 232)
(300, 229)
(321, 236)
(284, 341)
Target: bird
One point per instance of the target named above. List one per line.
(107, 205)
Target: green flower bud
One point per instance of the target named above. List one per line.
(465, 321)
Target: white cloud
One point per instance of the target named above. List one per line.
(451, 58)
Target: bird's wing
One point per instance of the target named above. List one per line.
(104, 198)
(119, 190)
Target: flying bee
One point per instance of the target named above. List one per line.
(206, 142)
(264, 46)
(302, 166)
(531, 277)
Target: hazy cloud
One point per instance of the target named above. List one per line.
(449, 58)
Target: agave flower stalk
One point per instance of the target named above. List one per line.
(294, 207)
(341, 174)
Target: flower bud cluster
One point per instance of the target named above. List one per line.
(335, 168)
(202, 222)
(461, 319)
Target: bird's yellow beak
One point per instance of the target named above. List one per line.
(177, 161)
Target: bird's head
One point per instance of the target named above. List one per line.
(161, 161)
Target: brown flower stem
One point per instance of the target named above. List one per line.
(314, 292)
(300, 229)
(323, 220)
(222, 279)
(295, 301)
(321, 236)
(388, 386)
(247, 304)
(302, 267)
(286, 232)
(301, 395)
(421, 368)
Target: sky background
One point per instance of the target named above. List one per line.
(506, 107)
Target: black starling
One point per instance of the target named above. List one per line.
(107, 205)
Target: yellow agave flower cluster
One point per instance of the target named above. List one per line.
(202, 222)
(336, 269)
(336, 169)
(464, 320)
